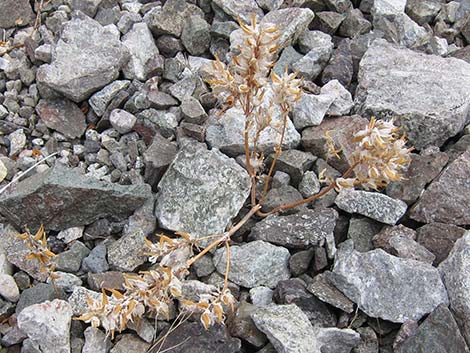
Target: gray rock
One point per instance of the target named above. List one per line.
(70, 234)
(96, 341)
(315, 60)
(439, 238)
(100, 100)
(429, 113)
(62, 115)
(324, 290)
(369, 341)
(299, 230)
(66, 281)
(127, 253)
(270, 5)
(388, 7)
(184, 87)
(15, 13)
(423, 11)
(454, 271)
(242, 9)
(106, 280)
(362, 230)
(71, 260)
(354, 24)
(261, 296)
(89, 7)
(257, 263)
(294, 163)
(37, 294)
(141, 45)
(196, 36)
(309, 185)
(227, 134)
(377, 206)
(340, 67)
(342, 103)
(48, 325)
(157, 158)
(310, 40)
(17, 141)
(328, 21)
(386, 286)
(193, 111)
(311, 109)
(130, 343)
(447, 199)
(68, 199)
(201, 191)
(285, 194)
(8, 288)
(340, 6)
(299, 262)
(409, 249)
(96, 260)
(13, 336)
(438, 333)
(122, 121)
(86, 58)
(288, 56)
(242, 326)
(78, 299)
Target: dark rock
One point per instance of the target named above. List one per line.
(463, 53)
(382, 238)
(438, 333)
(300, 262)
(457, 149)
(327, 21)
(157, 158)
(294, 163)
(409, 249)
(439, 238)
(39, 293)
(340, 67)
(62, 115)
(242, 326)
(130, 343)
(196, 36)
(361, 230)
(61, 198)
(447, 199)
(283, 195)
(423, 11)
(299, 230)
(324, 290)
(354, 24)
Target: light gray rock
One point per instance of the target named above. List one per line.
(201, 191)
(8, 288)
(261, 296)
(239, 8)
(130, 343)
(447, 199)
(86, 58)
(122, 121)
(254, 264)
(100, 100)
(318, 47)
(455, 275)
(288, 56)
(71, 260)
(62, 115)
(96, 341)
(335, 340)
(71, 200)
(309, 185)
(66, 281)
(371, 204)
(388, 7)
(400, 83)
(298, 230)
(227, 133)
(70, 234)
(127, 253)
(386, 286)
(270, 5)
(17, 141)
(318, 40)
(78, 299)
(343, 103)
(311, 109)
(48, 325)
(141, 45)
(196, 36)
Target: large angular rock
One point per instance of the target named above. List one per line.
(455, 272)
(201, 191)
(15, 13)
(400, 83)
(254, 264)
(447, 199)
(48, 325)
(86, 58)
(438, 333)
(62, 115)
(371, 204)
(227, 134)
(61, 198)
(299, 230)
(141, 45)
(386, 286)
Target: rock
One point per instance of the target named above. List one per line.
(382, 238)
(300, 262)
(388, 7)
(71, 260)
(354, 24)
(421, 171)
(62, 115)
(130, 343)
(160, 100)
(438, 333)
(157, 158)
(312, 64)
(287, 328)
(362, 230)
(463, 54)
(8, 288)
(17, 141)
(78, 299)
(410, 249)
(96, 341)
(101, 99)
(439, 238)
(309, 185)
(342, 103)
(70, 234)
(227, 134)
(324, 290)
(371, 204)
(369, 342)
(83, 40)
(122, 121)
(299, 231)
(68, 199)
(257, 263)
(429, 113)
(340, 67)
(243, 9)
(127, 253)
(106, 280)
(332, 339)
(96, 262)
(311, 109)
(193, 111)
(191, 337)
(48, 325)
(5, 266)
(340, 6)
(223, 186)
(66, 281)
(261, 296)
(242, 326)
(13, 336)
(423, 11)
(282, 195)
(328, 21)
(196, 36)
(37, 294)
(288, 56)
(310, 40)
(294, 163)
(386, 286)
(141, 45)
(454, 271)
(447, 199)
(15, 13)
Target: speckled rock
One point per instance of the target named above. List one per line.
(257, 263)
(128, 252)
(96, 341)
(15, 13)
(386, 286)
(201, 191)
(371, 204)
(237, 8)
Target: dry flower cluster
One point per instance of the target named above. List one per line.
(265, 98)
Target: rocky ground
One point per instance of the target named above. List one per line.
(116, 89)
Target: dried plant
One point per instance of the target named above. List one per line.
(247, 83)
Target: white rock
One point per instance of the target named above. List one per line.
(122, 121)
(8, 288)
(311, 109)
(343, 101)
